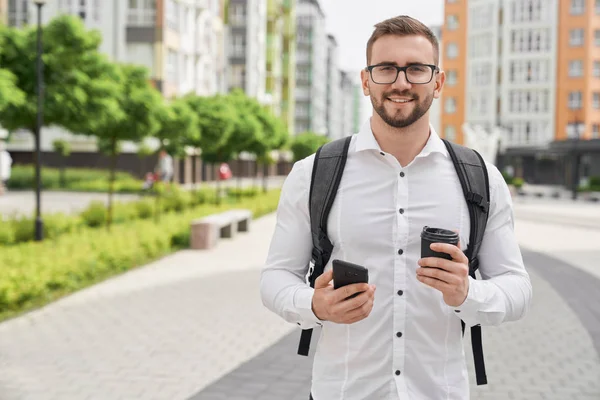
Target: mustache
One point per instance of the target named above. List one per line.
(402, 94)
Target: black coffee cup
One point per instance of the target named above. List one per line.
(436, 235)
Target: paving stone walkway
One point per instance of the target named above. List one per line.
(192, 326)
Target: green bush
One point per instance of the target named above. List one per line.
(518, 182)
(79, 179)
(246, 192)
(7, 233)
(36, 273)
(144, 208)
(95, 214)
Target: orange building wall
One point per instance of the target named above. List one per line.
(458, 36)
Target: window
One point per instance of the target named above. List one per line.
(595, 131)
(452, 22)
(140, 12)
(172, 15)
(596, 100)
(575, 100)
(575, 130)
(597, 7)
(450, 133)
(451, 78)
(576, 37)
(237, 14)
(238, 45)
(597, 37)
(597, 69)
(452, 50)
(172, 65)
(575, 68)
(577, 7)
(237, 76)
(450, 105)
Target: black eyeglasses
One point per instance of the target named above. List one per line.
(417, 74)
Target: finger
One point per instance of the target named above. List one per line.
(346, 291)
(450, 266)
(360, 313)
(349, 305)
(324, 279)
(439, 274)
(434, 283)
(453, 250)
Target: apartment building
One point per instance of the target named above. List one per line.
(435, 111)
(3, 12)
(311, 69)
(530, 67)
(288, 88)
(334, 91)
(350, 93)
(247, 54)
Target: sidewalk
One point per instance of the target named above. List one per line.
(192, 326)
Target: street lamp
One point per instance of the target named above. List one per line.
(39, 225)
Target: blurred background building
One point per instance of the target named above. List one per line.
(532, 69)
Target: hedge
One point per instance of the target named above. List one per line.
(36, 273)
(76, 179)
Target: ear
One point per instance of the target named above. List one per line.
(440, 79)
(364, 78)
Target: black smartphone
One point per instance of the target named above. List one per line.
(347, 273)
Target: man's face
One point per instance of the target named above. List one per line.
(400, 104)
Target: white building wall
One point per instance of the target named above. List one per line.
(529, 58)
(334, 94)
(256, 50)
(483, 63)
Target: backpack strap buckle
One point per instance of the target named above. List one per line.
(478, 200)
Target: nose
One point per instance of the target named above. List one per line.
(401, 83)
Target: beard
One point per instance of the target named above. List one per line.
(398, 119)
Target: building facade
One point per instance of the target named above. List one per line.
(288, 84)
(311, 70)
(247, 55)
(4, 12)
(334, 98)
(351, 105)
(533, 71)
(180, 42)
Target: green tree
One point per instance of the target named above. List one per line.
(143, 152)
(139, 102)
(306, 144)
(179, 127)
(248, 128)
(80, 84)
(62, 148)
(217, 121)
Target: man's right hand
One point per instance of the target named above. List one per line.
(331, 304)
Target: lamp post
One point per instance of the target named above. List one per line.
(39, 225)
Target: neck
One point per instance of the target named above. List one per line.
(403, 143)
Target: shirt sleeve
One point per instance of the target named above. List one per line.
(504, 293)
(283, 286)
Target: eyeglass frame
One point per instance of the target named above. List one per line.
(434, 69)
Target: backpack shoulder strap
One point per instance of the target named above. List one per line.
(472, 173)
(328, 168)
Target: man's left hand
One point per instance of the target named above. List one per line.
(451, 277)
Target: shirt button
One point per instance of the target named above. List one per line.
(397, 372)
(382, 153)
(401, 211)
(400, 251)
(399, 334)
(400, 292)
(401, 174)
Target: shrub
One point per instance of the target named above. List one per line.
(95, 214)
(36, 273)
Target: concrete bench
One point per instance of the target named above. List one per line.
(205, 232)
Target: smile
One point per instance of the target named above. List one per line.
(401, 101)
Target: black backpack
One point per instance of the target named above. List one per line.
(328, 168)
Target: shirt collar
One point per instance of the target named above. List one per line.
(365, 140)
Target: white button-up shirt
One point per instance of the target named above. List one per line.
(410, 347)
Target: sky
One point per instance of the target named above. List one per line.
(352, 22)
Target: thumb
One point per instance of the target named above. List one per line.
(323, 280)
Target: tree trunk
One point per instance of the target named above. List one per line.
(265, 177)
(111, 183)
(63, 163)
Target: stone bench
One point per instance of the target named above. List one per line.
(205, 232)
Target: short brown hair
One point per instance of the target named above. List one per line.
(403, 25)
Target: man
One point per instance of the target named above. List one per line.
(165, 166)
(401, 339)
